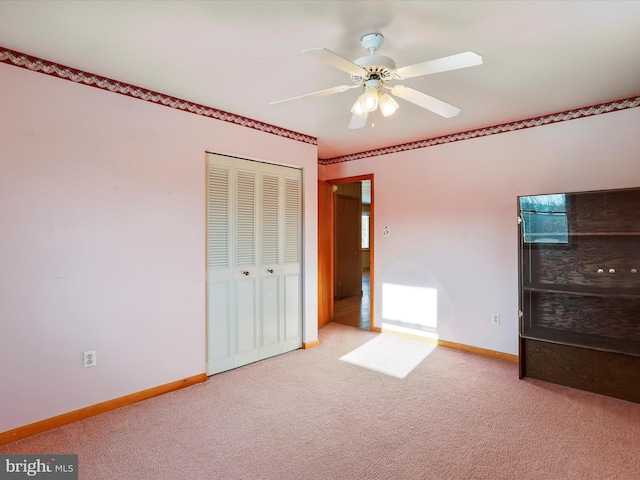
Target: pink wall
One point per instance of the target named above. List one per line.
(102, 214)
(452, 210)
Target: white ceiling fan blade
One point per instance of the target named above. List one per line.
(335, 60)
(425, 101)
(358, 121)
(444, 64)
(321, 93)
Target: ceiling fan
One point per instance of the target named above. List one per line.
(373, 73)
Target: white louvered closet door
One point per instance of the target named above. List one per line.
(292, 261)
(254, 304)
(270, 270)
(245, 262)
(220, 281)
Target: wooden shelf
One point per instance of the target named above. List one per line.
(582, 290)
(576, 234)
(594, 342)
(600, 233)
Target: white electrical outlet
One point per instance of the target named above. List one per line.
(89, 358)
(495, 319)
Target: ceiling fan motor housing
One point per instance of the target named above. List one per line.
(376, 65)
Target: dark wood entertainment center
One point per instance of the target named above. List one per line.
(579, 270)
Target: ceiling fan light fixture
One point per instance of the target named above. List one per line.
(373, 72)
(370, 99)
(358, 108)
(387, 104)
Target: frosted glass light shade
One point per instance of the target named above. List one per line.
(358, 108)
(387, 104)
(370, 99)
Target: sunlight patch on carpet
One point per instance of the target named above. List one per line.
(389, 354)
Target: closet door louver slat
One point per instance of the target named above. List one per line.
(246, 218)
(270, 252)
(218, 217)
(293, 221)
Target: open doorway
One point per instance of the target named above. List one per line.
(353, 251)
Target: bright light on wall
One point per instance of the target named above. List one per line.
(410, 309)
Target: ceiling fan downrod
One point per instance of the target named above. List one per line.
(372, 42)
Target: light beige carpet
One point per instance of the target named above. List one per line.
(308, 414)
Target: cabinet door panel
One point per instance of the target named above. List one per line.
(270, 312)
(246, 326)
(292, 308)
(219, 331)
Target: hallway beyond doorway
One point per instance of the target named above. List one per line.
(354, 311)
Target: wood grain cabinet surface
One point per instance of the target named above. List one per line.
(580, 290)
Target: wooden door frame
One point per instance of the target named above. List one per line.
(338, 181)
(325, 252)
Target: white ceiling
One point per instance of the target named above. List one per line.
(540, 57)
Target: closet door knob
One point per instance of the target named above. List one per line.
(270, 270)
(246, 273)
